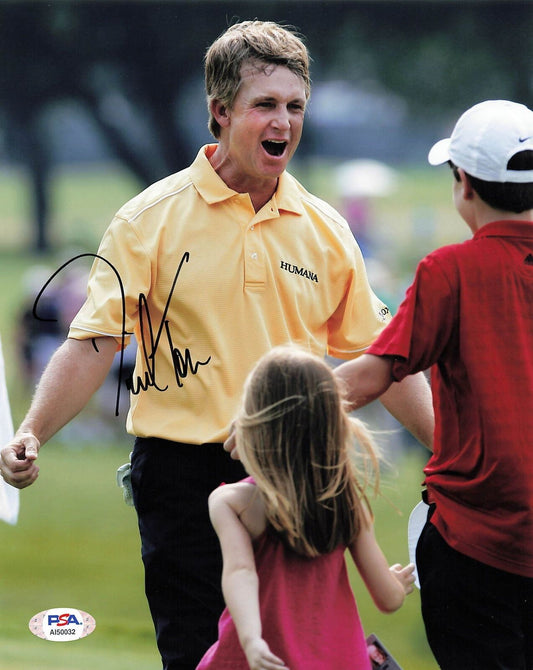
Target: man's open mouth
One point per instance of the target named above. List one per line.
(274, 148)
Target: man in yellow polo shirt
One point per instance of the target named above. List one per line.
(210, 268)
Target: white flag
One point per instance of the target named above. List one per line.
(9, 495)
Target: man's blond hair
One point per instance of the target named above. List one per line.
(264, 42)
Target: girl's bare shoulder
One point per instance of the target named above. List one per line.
(246, 503)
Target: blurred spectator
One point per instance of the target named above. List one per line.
(42, 326)
(40, 332)
(358, 183)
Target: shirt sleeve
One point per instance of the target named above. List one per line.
(361, 315)
(119, 275)
(423, 326)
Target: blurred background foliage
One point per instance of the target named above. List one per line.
(87, 80)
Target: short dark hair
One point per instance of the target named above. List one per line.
(508, 196)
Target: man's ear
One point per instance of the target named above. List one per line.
(219, 113)
(468, 191)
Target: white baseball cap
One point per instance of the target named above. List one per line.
(485, 138)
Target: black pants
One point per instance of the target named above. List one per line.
(476, 617)
(180, 550)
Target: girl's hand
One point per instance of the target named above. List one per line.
(405, 576)
(260, 657)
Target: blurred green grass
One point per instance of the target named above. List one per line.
(76, 543)
(402, 632)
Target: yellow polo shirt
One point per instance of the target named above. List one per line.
(208, 286)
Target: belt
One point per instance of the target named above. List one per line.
(428, 497)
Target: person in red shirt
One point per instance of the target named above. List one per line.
(469, 317)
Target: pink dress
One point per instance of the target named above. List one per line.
(308, 611)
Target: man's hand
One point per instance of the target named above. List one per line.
(231, 443)
(17, 460)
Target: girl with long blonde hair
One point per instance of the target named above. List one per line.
(284, 530)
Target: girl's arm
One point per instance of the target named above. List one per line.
(387, 586)
(240, 583)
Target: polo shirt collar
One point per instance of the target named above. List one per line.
(213, 189)
(509, 228)
(287, 196)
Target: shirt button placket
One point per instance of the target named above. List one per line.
(254, 270)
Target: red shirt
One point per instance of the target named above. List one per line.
(469, 316)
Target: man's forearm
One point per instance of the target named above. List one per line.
(410, 402)
(74, 373)
(364, 379)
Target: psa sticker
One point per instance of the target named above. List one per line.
(62, 624)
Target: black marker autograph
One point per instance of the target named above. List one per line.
(182, 362)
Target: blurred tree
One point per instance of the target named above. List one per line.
(128, 63)
(443, 56)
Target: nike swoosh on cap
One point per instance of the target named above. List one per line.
(524, 139)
